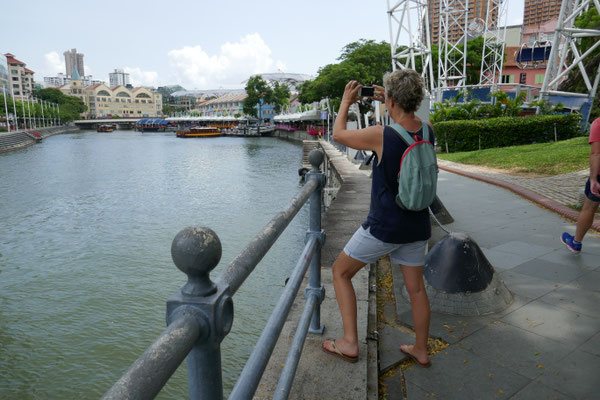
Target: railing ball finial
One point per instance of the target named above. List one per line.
(315, 158)
(196, 251)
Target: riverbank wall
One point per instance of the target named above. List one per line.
(10, 141)
(321, 376)
(296, 136)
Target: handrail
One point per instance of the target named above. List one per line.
(200, 313)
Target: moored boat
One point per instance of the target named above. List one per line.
(105, 128)
(199, 131)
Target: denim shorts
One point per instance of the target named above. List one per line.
(364, 247)
(589, 193)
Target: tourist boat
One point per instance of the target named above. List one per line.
(199, 131)
(105, 128)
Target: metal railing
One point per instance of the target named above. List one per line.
(200, 314)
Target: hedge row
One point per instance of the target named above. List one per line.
(489, 133)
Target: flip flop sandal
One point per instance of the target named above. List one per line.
(337, 353)
(420, 364)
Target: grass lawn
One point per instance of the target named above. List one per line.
(540, 158)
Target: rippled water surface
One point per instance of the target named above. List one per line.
(86, 224)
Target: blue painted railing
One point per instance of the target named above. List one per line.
(200, 314)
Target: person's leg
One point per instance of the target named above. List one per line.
(415, 286)
(344, 268)
(586, 218)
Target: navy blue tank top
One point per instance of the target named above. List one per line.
(387, 221)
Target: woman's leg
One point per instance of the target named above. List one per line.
(413, 280)
(586, 218)
(344, 268)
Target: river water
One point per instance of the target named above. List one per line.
(86, 225)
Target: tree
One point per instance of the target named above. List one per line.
(364, 60)
(281, 96)
(71, 107)
(259, 92)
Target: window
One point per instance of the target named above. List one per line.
(523, 78)
(15, 85)
(508, 79)
(15, 78)
(539, 79)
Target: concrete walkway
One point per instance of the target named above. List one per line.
(546, 344)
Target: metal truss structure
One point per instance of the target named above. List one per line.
(566, 51)
(411, 17)
(493, 43)
(452, 57)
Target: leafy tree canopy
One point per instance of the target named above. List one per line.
(365, 61)
(70, 106)
(274, 93)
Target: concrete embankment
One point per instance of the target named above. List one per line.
(10, 141)
(320, 376)
(297, 136)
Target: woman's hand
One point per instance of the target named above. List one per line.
(379, 93)
(351, 93)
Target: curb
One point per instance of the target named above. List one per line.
(526, 193)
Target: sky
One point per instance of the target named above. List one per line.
(196, 44)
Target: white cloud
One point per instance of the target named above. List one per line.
(139, 77)
(53, 64)
(234, 63)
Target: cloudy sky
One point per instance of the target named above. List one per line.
(197, 44)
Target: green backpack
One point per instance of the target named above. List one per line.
(417, 179)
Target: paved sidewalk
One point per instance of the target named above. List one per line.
(557, 193)
(546, 344)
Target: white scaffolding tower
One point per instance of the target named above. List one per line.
(494, 39)
(566, 51)
(409, 20)
(452, 56)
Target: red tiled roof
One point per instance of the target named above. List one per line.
(28, 70)
(12, 60)
(92, 87)
(115, 87)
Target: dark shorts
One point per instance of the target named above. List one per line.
(589, 194)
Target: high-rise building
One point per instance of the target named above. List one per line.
(20, 78)
(119, 77)
(477, 10)
(538, 12)
(73, 60)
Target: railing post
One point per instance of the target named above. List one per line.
(316, 157)
(196, 251)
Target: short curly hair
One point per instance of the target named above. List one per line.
(406, 87)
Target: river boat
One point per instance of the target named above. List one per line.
(105, 128)
(199, 131)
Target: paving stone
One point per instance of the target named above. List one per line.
(592, 346)
(550, 271)
(390, 340)
(502, 260)
(575, 299)
(576, 375)
(514, 348)
(413, 392)
(460, 374)
(523, 248)
(565, 257)
(589, 281)
(537, 391)
(527, 286)
(544, 319)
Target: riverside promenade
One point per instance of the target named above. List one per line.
(544, 345)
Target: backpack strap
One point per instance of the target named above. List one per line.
(404, 135)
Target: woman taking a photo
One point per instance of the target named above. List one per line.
(388, 229)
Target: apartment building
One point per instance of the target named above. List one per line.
(20, 77)
(538, 12)
(476, 12)
(73, 60)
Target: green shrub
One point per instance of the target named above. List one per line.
(489, 133)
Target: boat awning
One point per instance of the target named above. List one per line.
(152, 121)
